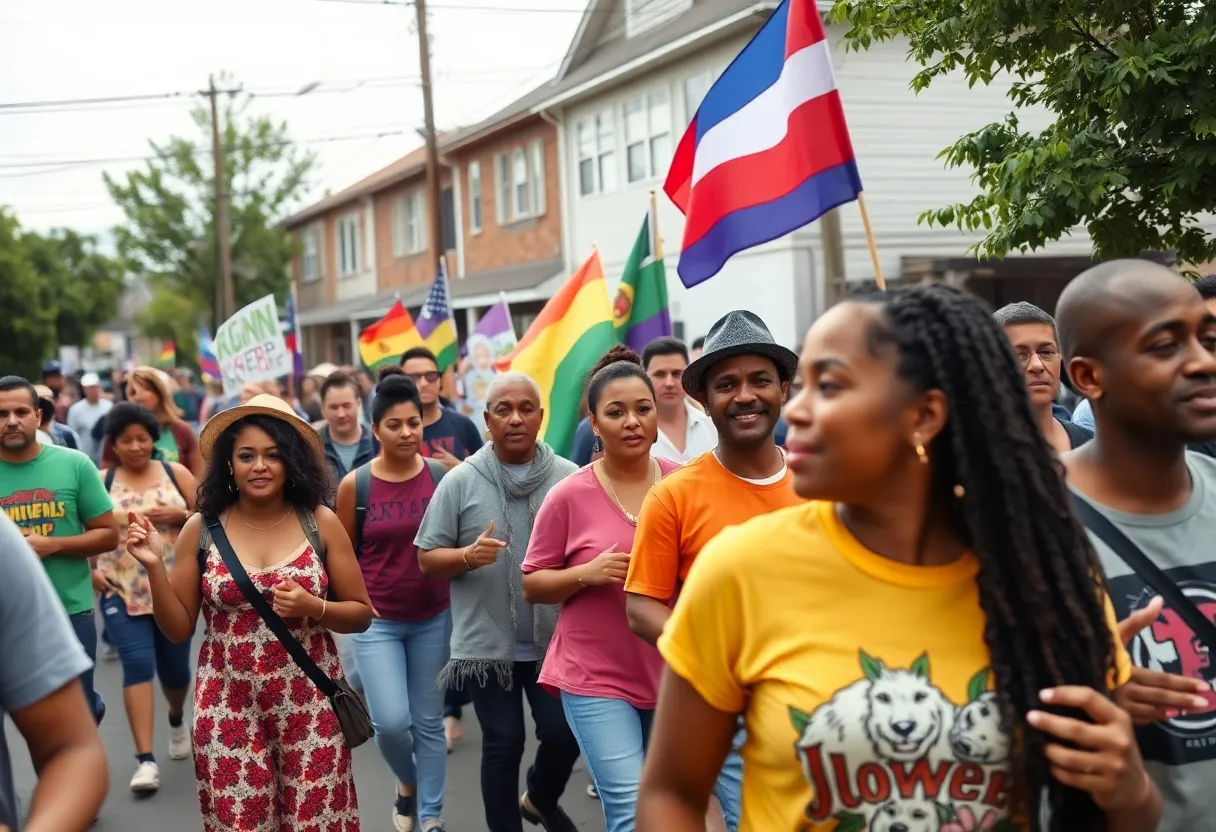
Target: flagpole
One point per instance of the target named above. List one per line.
(865, 222)
(654, 228)
(506, 307)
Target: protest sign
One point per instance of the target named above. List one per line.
(250, 346)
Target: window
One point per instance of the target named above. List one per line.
(409, 225)
(596, 139)
(474, 196)
(647, 135)
(348, 244)
(520, 176)
(519, 179)
(310, 255)
(695, 88)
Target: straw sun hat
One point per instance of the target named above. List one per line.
(263, 405)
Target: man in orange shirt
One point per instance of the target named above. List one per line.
(742, 379)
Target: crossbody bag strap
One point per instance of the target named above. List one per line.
(308, 521)
(173, 478)
(1149, 572)
(262, 607)
(437, 469)
(363, 490)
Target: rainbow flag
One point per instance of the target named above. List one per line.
(573, 330)
(167, 359)
(383, 342)
(435, 324)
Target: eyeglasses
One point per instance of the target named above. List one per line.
(430, 376)
(1046, 355)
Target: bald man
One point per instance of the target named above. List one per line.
(1139, 343)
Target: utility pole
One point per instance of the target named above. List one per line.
(225, 292)
(434, 208)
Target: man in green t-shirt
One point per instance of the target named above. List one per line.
(55, 495)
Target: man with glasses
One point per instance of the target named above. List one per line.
(1032, 332)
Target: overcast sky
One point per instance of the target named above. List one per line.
(484, 53)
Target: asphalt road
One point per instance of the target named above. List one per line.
(175, 806)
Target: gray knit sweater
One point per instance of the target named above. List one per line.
(486, 601)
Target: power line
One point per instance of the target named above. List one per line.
(64, 164)
(346, 85)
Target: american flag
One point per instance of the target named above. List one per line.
(437, 306)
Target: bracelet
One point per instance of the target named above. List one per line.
(468, 566)
(324, 606)
(580, 582)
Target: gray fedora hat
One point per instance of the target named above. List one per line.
(738, 333)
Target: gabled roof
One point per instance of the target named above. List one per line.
(516, 111)
(408, 166)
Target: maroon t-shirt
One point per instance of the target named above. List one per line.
(389, 559)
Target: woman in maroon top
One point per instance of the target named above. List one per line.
(402, 652)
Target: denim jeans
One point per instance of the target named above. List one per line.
(500, 712)
(398, 662)
(143, 649)
(729, 787)
(346, 655)
(612, 735)
(85, 626)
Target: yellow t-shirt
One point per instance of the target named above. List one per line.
(864, 682)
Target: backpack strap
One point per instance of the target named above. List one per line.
(437, 468)
(172, 478)
(363, 490)
(110, 478)
(309, 521)
(204, 544)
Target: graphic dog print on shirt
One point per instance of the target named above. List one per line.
(892, 753)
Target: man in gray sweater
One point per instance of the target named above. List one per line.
(476, 532)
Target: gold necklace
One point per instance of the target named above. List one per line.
(237, 512)
(633, 520)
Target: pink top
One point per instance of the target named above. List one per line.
(593, 652)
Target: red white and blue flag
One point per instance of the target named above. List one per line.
(291, 333)
(768, 150)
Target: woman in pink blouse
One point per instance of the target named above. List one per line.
(607, 677)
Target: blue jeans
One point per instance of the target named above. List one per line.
(144, 650)
(729, 788)
(612, 734)
(398, 662)
(85, 626)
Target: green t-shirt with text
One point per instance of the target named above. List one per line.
(55, 494)
(167, 445)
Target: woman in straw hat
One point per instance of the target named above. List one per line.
(269, 752)
(149, 388)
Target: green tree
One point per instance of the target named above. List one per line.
(1130, 86)
(27, 326)
(55, 289)
(170, 228)
(82, 285)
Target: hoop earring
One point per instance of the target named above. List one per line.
(232, 486)
(291, 484)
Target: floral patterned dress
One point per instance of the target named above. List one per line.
(119, 568)
(268, 751)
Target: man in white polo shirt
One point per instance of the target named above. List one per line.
(685, 432)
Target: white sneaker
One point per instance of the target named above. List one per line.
(179, 742)
(109, 654)
(146, 778)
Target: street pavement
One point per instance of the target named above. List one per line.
(175, 806)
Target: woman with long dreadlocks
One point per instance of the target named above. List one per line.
(926, 646)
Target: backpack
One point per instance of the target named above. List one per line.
(363, 488)
(168, 471)
(307, 519)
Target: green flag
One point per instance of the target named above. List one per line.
(640, 310)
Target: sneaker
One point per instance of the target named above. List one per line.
(146, 778)
(593, 792)
(109, 654)
(180, 745)
(432, 825)
(403, 813)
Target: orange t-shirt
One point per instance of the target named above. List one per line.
(685, 510)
